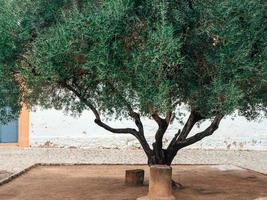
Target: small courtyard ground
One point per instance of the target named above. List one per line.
(99, 182)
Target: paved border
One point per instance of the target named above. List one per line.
(17, 160)
(15, 175)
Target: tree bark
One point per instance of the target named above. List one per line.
(157, 155)
(179, 144)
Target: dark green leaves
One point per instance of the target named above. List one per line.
(141, 54)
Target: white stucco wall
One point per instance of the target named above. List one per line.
(54, 128)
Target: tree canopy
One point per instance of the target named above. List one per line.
(133, 58)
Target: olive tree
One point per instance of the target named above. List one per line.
(146, 58)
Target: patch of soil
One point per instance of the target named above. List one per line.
(101, 182)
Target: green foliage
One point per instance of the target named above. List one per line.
(149, 53)
(9, 98)
(9, 88)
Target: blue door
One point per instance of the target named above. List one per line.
(9, 132)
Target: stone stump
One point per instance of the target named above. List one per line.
(134, 177)
(160, 183)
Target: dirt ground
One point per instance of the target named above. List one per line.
(106, 182)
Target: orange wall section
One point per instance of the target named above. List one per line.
(24, 127)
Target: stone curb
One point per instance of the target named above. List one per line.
(15, 175)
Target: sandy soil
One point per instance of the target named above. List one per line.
(90, 182)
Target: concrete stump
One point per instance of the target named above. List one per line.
(160, 183)
(134, 177)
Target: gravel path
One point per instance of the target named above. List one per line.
(13, 160)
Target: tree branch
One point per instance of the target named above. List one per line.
(141, 136)
(192, 120)
(163, 125)
(156, 117)
(174, 147)
(98, 119)
(172, 143)
(136, 116)
(168, 116)
(132, 114)
(199, 136)
(86, 102)
(182, 135)
(116, 130)
(138, 134)
(137, 121)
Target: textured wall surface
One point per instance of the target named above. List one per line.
(54, 128)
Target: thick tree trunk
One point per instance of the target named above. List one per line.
(165, 160)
